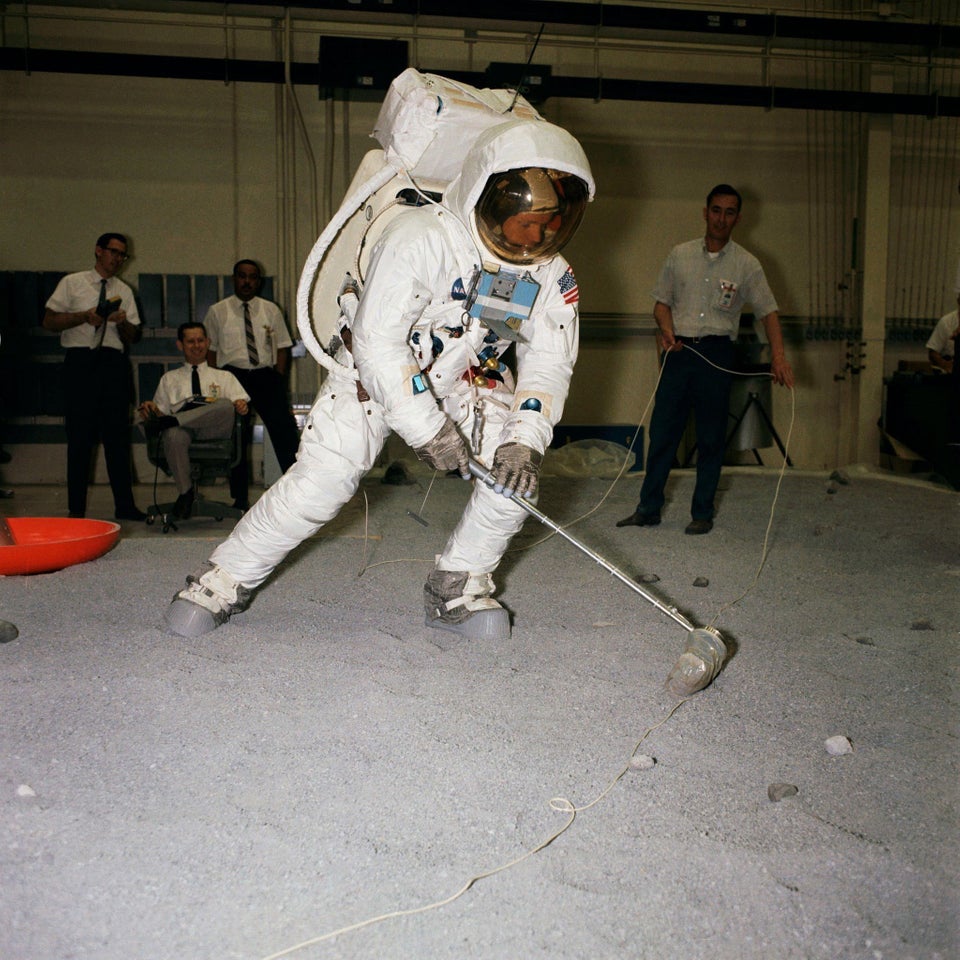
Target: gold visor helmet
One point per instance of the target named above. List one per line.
(526, 216)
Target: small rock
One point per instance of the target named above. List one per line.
(831, 489)
(777, 791)
(641, 762)
(701, 582)
(840, 476)
(25, 790)
(8, 631)
(837, 746)
(922, 625)
(648, 578)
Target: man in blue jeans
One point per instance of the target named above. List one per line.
(700, 294)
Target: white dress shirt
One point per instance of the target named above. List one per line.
(81, 291)
(228, 339)
(175, 387)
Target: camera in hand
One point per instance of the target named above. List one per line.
(108, 306)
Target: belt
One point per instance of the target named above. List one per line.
(713, 336)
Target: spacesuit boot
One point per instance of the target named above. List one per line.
(701, 660)
(461, 603)
(208, 600)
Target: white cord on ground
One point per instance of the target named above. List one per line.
(776, 493)
(427, 494)
(560, 804)
(773, 505)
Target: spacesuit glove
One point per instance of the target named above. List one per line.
(516, 470)
(446, 451)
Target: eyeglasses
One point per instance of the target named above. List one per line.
(120, 254)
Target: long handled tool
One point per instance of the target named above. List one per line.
(705, 650)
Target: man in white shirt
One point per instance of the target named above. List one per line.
(941, 347)
(700, 293)
(249, 338)
(96, 316)
(192, 402)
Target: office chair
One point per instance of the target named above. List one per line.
(209, 459)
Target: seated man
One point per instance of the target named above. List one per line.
(195, 401)
(941, 347)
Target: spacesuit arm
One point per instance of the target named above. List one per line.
(545, 359)
(396, 291)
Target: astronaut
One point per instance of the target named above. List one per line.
(448, 289)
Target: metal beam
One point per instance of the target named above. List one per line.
(30, 60)
(596, 19)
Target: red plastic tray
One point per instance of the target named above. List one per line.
(44, 544)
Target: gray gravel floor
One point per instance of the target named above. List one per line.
(325, 759)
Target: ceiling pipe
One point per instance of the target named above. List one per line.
(578, 88)
(590, 16)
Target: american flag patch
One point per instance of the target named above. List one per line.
(568, 287)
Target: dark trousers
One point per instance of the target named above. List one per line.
(690, 383)
(953, 418)
(98, 392)
(951, 467)
(268, 396)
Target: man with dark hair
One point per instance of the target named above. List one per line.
(700, 293)
(249, 338)
(96, 316)
(193, 402)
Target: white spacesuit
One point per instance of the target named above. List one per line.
(448, 289)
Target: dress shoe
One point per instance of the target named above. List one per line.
(695, 527)
(131, 513)
(243, 505)
(184, 506)
(639, 519)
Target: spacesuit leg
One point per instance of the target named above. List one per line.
(340, 442)
(481, 537)
(458, 593)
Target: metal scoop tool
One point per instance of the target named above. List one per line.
(704, 652)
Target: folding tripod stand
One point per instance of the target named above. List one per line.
(753, 399)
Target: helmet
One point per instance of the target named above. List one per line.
(527, 215)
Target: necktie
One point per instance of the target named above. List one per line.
(252, 355)
(100, 302)
(195, 382)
